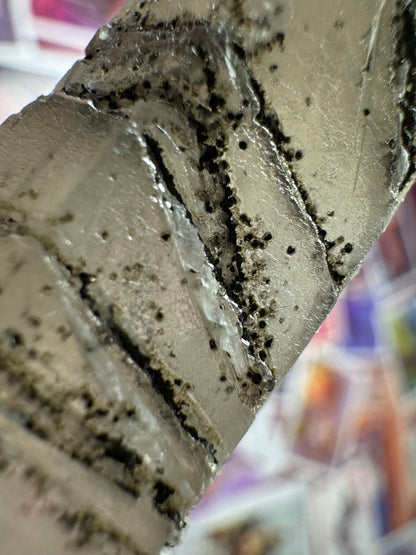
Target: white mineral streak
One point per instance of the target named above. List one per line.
(176, 220)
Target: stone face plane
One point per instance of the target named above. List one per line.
(177, 219)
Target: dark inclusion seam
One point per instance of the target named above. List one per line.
(160, 384)
(156, 154)
(113, 448)
(229, 289)
(406, 50)
(271, 123)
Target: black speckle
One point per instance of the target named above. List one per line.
(146, 84)
(165, 236)
(223, 378)
(245, 219)
(348, 248)
(262, 324)
(267, 236)
(213, 344)
(130, 93)
(159, 315)
(162, 492)
(290, 249)
(273, 67)
(255, 377)
(242, 145)
(208, 207)
(216, 102)
(280, 38)
(15, 338)
(289, 155)
(392, 144)
(239, 51)
(339, 24)
(263, 355)
(366, 112)
(66, 218)
(206, 160)
(237, 287)
(210, 77)
(268, 343)
(104, 235)
(35, 321)
(262, 312)
(308, 101)
(298, 154)
(330, 214)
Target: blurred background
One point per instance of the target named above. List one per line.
(329, 466)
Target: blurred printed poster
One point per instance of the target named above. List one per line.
(70, 24)
(89, 13)
(360, 331)
(342, 520)
(6, 27)
(400, 324)
(382, 427)
(400, 542)
(332, 328)
(324, 406)
(261, 522)
(393, 251)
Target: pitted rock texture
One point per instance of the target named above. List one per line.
(176, 221)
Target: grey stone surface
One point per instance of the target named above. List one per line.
(176, 220)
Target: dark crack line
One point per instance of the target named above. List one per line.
(53, 413)
(156, 154)
(208, 155)
(160, 384)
